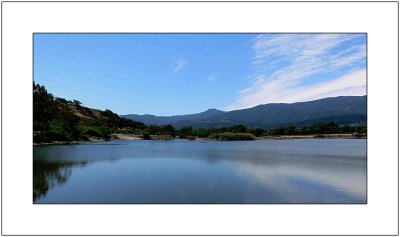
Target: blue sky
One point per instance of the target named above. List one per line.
(170, 74)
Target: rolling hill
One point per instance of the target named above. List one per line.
(342, 110)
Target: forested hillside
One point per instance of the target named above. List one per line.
(57, 119)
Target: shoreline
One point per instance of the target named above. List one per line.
(120, 136)
(135, 137)
(68, 142)
(313, 136)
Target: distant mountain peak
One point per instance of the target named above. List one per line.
(341, 109)
(213, 111)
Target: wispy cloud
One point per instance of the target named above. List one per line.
(178, 64)
(212, 77)
(283, 64)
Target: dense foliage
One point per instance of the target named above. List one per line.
(185, 132)
(57, 119)
(230, 136)
(320, 128)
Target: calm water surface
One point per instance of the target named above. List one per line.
(181, 171)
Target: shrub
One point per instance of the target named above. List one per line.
(114, 137)
(57, 135)
(39, 138)
(57, 132)
(319, 136)
(229, 136)
(146, 136)
(92, 133)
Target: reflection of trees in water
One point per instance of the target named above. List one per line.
(46, 175)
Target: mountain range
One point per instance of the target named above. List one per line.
(342, 110)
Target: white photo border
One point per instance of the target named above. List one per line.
(378, 19)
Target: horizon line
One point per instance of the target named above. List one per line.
(226, 111)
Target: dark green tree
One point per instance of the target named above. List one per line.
(44, 108)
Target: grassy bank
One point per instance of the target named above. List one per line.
(128, 136)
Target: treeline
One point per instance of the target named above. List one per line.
(189, 132)
(57, 119)
(321, 128)
(185, 132)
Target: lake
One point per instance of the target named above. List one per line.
(202, 171)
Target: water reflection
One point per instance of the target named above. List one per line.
(291, 171)
(46, 175)
(312, 179)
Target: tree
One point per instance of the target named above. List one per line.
(77, 103)
(291, 129)
(185, 132)
(238, 128)
(256, 131)
(167, 130)
(44, 108)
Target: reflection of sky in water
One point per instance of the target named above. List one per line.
(327, 180)
(267, 171)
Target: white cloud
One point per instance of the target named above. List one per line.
(178, 64)
(284, 62)
(353, 83)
